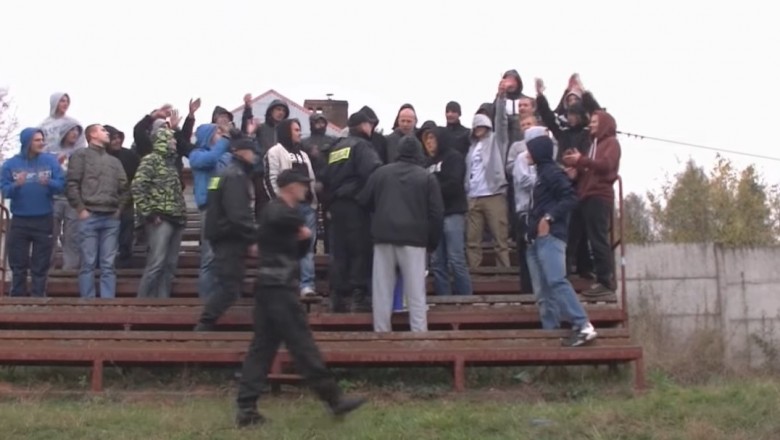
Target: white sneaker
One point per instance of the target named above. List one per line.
(581, 337)
(308, 291)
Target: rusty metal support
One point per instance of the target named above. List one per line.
(5, 225)
(97, 375)
(459, 374)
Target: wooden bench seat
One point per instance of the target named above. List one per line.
(454, 349)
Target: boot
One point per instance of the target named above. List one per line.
(346, 404)
(339, 302)
(361, 302)
(247, 418)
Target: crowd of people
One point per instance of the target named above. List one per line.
(423, 197)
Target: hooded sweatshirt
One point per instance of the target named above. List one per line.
(54, 128)
(266, 133)
(598, 170)
(287, 155)
(523, 174)
(220, 111)
(156, 189)
(317, 146)
(568, 137)
(203, 160)
(406, 201)
(449, 167)
(59, 148)
(33, 198)
(512, 107)
(553, 193)
(377, 140)
(485, 173)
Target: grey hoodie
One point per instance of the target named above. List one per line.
(494, 149)
(54, 128)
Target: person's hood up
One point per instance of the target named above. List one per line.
(443, 141)
(519, 92)
(54, 100)
(481, 120)
(313, 118)
(157, 124)
(427, 125)
(276, 103)
(284, 134)
(487, 109)
(541, 149)
(410, 150)
(25, 139)
(534, 132)
(220, 111)
(70, 125)
(574, 92)
(204, 134)
(578, 109)
(607, 126)
(403, 107)
(161, 142)
(368, 111)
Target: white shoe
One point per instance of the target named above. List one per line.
(308, 291)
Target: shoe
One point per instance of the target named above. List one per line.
(201, 327)
(308, 292)
(598, 290)
(361, 303)
(587, 276)
(245, 419)
(346, 405)
(580, 337)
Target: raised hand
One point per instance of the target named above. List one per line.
(248, 99)
(540, 88)
(174, 119)
(194, 106)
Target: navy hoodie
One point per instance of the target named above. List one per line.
(33, 198)
(553, 192)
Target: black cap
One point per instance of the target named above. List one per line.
(289, 176)
(358, 118)
(453, 106)
(242, 144)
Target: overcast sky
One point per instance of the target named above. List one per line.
(686, 70)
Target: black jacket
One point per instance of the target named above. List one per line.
(229, 215)
(350, 163)
(449, 167)
(129, 159)
(461, 137)
(405, 200)
(142, 141)
(553, 192)
(266, 133)
(377, 140)
(280, 249)
(568, 137)
(317, 146)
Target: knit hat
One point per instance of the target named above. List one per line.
(453, 106)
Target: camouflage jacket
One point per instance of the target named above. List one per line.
(156, 187)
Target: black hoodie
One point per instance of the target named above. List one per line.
(568, 137)
(553, 192)
(449, 167)
(220, 111)
(318, 144)
(377, 140)
(406, 201)
(461, 137)
(513, 107)
(266, 133)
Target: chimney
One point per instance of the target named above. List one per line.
(336, 112)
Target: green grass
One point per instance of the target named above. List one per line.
(732, 410)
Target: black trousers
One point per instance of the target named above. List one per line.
(229, 270)
(126, 238)
(578, 258)
(26, 233)
(521, 222)
(597, 214)
(280, 318)
(352, 248)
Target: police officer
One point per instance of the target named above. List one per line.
(350, 162)
(230, 228)
(278, 314)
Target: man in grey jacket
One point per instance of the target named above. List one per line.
(486, 183)
(97, 189)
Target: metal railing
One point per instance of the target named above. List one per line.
(618, 242)
(5, 224)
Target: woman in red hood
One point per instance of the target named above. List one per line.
(596, 176)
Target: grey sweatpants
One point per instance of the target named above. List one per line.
(66, 235)
(411, 261)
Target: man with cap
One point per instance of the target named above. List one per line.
(278, 314)
(460, 135)
(230, 229)
(350, 162)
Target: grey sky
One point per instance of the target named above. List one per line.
(686, 70)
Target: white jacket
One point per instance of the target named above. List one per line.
(278, 159)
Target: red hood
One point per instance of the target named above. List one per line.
(607, 126)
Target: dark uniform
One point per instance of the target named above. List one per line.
(230, 228)
(350, 162)
(278, 314)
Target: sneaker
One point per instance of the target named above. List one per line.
(245, 419)
(308, 292)
(580, 337)
(598, 289)
(346, 405)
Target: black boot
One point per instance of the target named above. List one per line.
(339, 302)
(361, 302)
(246, 418)
(346, 404)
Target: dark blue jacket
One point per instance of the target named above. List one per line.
(553, 192)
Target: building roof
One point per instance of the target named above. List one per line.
(272, 94)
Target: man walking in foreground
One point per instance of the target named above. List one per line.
(278, 314)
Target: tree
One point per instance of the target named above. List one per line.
(637, 221)
(8, 123)
(728, 206)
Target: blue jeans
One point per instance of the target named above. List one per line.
(451, 255)
(307, 263)
(99, 243)
(207, 281)
(546, 258)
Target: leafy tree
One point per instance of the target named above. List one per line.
(682, 210)
(637, 221)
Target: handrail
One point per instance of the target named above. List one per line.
(5, 223)
(622, 244)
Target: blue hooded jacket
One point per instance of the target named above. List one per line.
(204, 159)
(32, 198)
(553, 192)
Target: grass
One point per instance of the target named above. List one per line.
(733, 410)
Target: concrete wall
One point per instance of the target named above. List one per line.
(702, 287)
